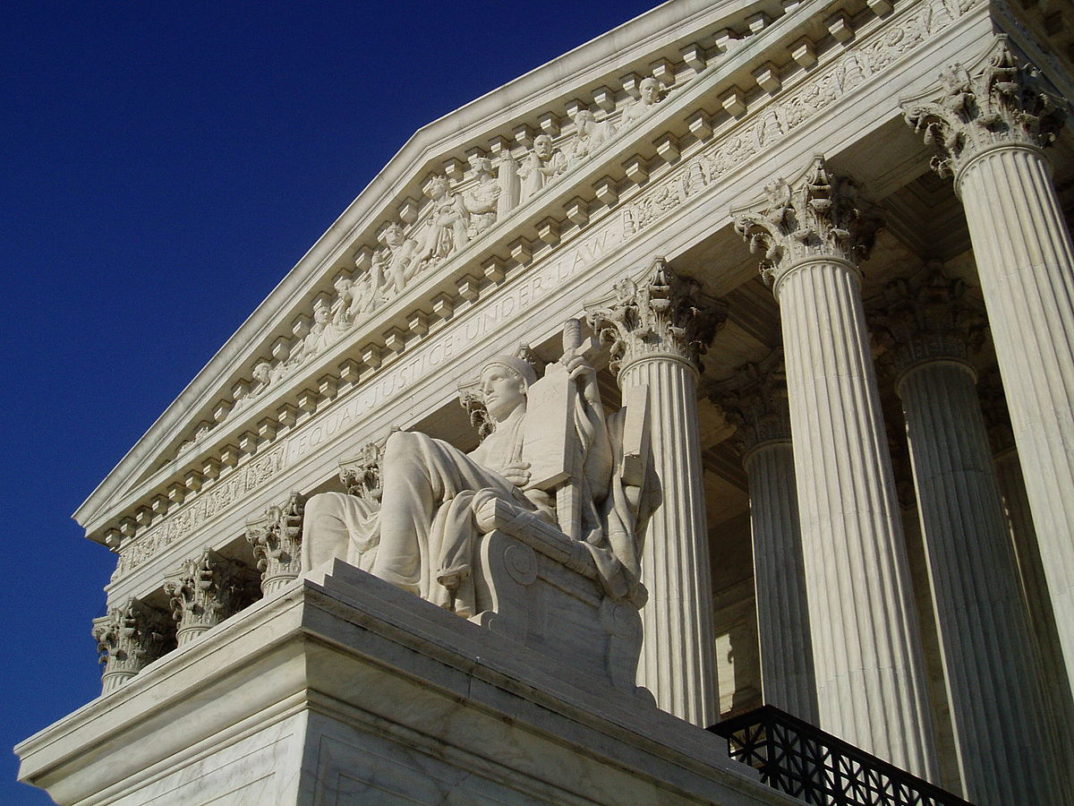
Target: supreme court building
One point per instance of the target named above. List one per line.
(780, 298)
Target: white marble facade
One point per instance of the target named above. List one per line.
(784, 275)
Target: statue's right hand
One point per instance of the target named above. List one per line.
(518, 473)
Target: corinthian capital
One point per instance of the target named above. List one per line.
(129, 638)
(817, 215)
(659, 313)
(927, 317)
(999, 100)
(276, 539)
(207, 590)
(755, 402)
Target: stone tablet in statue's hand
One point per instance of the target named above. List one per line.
(518, 473)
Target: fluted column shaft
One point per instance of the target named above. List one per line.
(658, 324)
(870, 680)
(989, 124)
(677, 657)
(1025, 261)
(787, 679)
(1000, 728)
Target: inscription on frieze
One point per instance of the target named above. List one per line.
(209, 503)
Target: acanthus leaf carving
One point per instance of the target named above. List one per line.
(658, 313)
(1004, 100)
(754, 400)
(276, 539)
(818, 215)
(129, 638)
(361, 474)
(206, 590)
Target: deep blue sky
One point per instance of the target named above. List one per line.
(165, 164)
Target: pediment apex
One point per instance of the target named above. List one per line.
(659, 52)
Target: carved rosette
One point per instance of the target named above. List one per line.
(928, 318)
(1002, 100)
(129, 638)
(361, 474)
(819, 215)
(276, 539)
(754, 400)
(207, 590)
(658, 314)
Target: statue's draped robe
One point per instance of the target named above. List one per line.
(423, 535)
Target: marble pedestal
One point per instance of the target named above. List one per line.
(345, 690)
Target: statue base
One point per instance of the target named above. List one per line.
(343, 690)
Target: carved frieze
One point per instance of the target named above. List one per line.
(1002, 101)
(210, 502)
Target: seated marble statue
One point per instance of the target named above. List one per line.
(422, 535)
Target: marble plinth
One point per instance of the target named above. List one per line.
(344, 690)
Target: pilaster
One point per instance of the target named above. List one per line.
(658, 325)
(866, 648)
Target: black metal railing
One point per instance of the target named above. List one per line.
(816, 767)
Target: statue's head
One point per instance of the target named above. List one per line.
(584, 120)
(481, 165)
(438, 187)
(542, 146)
(649, 90)
(394, 235)
(262, 371)
(504, 381)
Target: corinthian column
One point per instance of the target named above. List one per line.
(658, 325)
(866, 649)
(129, 638)
(1001, 730)
(207, 590)
(990, 124)
(755, 400)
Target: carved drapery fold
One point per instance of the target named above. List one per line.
(660, 314)
(206, 590)
(129, 638)
(276, 539)
(817, 215)
(1002, 100)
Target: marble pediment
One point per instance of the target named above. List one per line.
(563, 164)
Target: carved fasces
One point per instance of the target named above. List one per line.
(1001, 100)
(129, 638)
(754, 400)
(276, 539)
(928, 317)
(817, 215)
(208, 589)
(659, 313)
